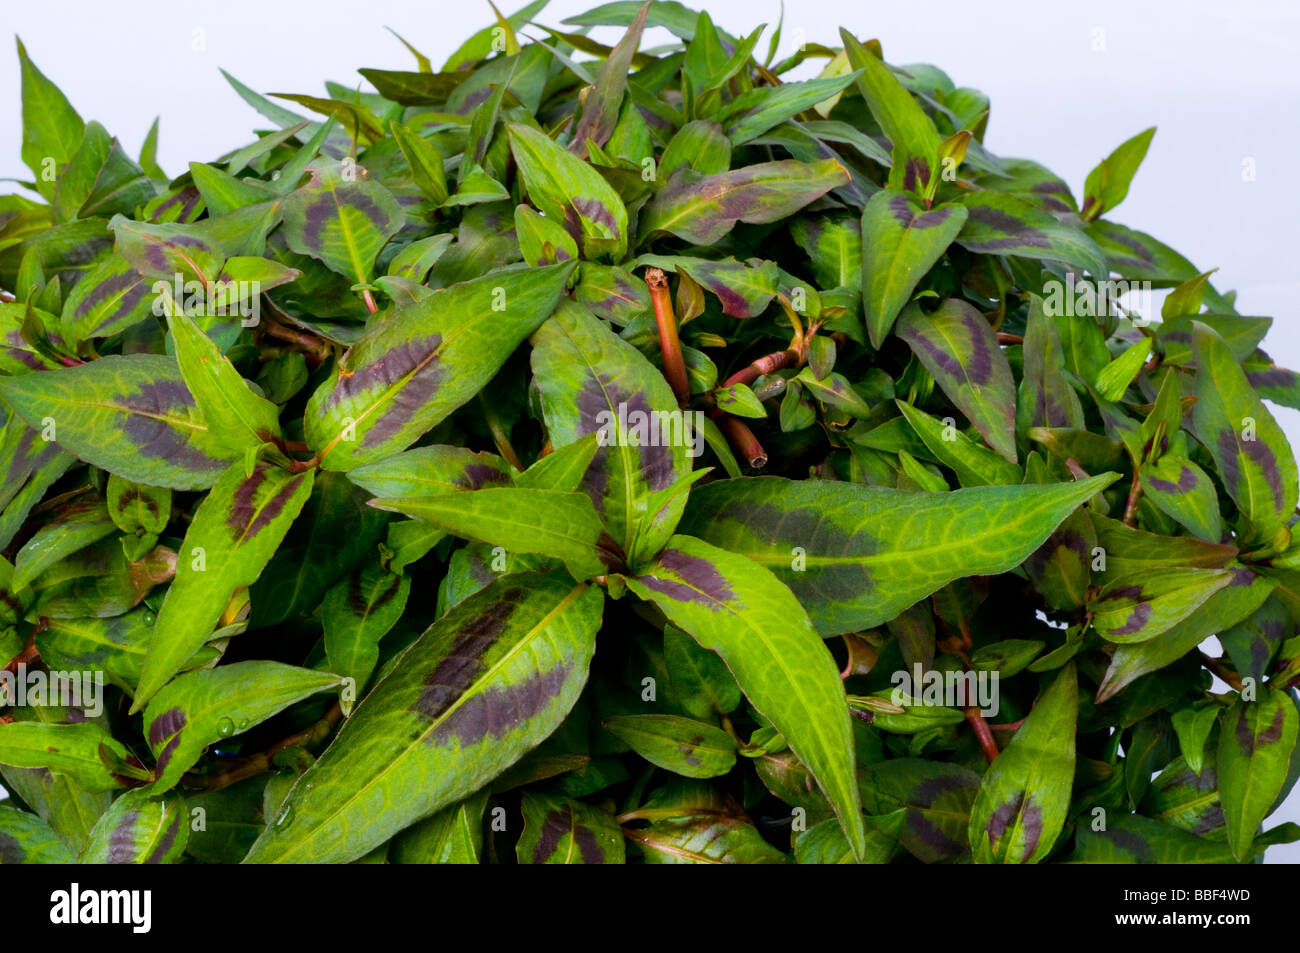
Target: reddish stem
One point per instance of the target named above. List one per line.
(669, 344)
(1134, 492)
(767, 364)
(741, 438)
(982, 733)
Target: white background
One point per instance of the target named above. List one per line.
(1220, 80)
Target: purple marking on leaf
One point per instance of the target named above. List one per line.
(916, 174)
(932, 219)
(501, 709)
(979, 368)
(419, 360)
(555, 826)
(1272, 377)
(166, 725)
(698, 577)
(1250, 741)
(1145, 255)
(156, 438)
(1256, 451)
(168, 838)
(687, 751)
(1138, 618)
(109, 288)
(901, 209)
(947, 363)
(1186, 482)
(595, 210)
(22, 351)
(1031, 822)
(187, 198)
(358, 600)
(246, 520)
(329, 208)
(474, 99)
(478, 475)
(121, 843)
(1131, 843)
(11, 852)
(1018, 233)
(456, 671)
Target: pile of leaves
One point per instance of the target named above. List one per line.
(587, 454)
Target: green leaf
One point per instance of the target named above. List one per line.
(1248, 447)
(340, 222)
(521, 520)
(131, 415)
(911, 132)
(358, 611)
(201, 708)
(1255, 749)
(425, 162)
(705, 839)
(139, 829)
(236, 530)
(998, 224)
(702, 209)
(71, 530)
(26, 839)
(239, 419)
(1134, 839)
(684, 746)
(1025, 794)
(901, 242)
(1184, 493)
(542, 240)
(1046, 397)
(699, 145)
(700, 679)
(837, 545)
(1108, 183)
(454, 835)
(110, 299)
(1114, 379)
(569, 191)
(1230, 605)
(592, 381)
(936, 798)
(52, 129)
(72, 750)
(1139, 607)
(431, 471)
(601, 107)
(753, 113)
(960, 350)
(484, 685)
(824, 843)
(736, 608)
(560, 830)
(974, 463)
(413, 368)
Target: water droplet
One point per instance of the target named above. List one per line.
(149, 618)
(243, 724)
(285, 818)
(225, 727)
